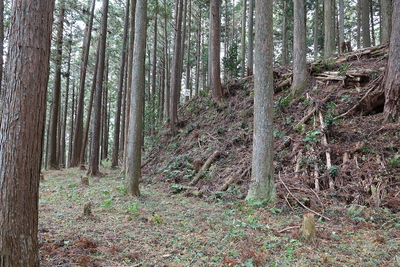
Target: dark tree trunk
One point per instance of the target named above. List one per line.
(22, 129)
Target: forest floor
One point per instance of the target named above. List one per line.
(334, 157)
(163, 229)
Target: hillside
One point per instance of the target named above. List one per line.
(349, 158)
(178, 222)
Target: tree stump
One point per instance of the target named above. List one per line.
(307, 230)
(84, 180)
(87, 209)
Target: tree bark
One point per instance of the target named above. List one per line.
(341, 26)
(329, 43)
(300, 70)
(386, 20)
(134, 138)
(262, 186)
(22, 129)
(365, 23)
(391, 112)
(1, 42)
(96, 122)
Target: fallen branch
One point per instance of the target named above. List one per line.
(298, 201)
(327, 153)
(309, 114)
(205, 167)
(234, 178)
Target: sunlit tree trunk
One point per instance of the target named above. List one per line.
(316, 27)
(134, 138)
(262, 185)
(22, 123)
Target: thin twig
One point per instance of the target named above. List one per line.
(304, 206)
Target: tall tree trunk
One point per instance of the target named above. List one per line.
(72, 122)
(176, 71)
(63, 143)
(77, 144)
(22, 129)
(1, 42)
(300, 70)
(243, 39)
(359, 24)
(341, 26)
(386, 18)
(391, 112)
(134, 138)
(365, 23)
(198, 57)
(95, 143)
(329, 22)
(129, 77)
(52, 159)
(285, 43)
(122, 71)
(250, 57)
(316, 27)
(154, 76)
(371, 18)
(262, 186)
(215, 50)
(166, 59)
(104, 114)
(188, 93)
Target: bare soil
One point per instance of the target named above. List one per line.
(345, 170)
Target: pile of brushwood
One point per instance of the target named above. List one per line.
(331, 145)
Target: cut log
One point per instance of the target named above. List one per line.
(205, 167)
(307, 230)
(327, 153)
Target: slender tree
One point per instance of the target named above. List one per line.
(250, 56)
(1, 41)
(243, 39)
(341, 26)
(52, 158)
(215, 26)
(262, 186)
(285, 42)
(77, 142)
(22, 118)
(316, 28)
(122, 71)
(134, 138)
(391, 112)
(300, 73)
(176, 71)
(96, 124)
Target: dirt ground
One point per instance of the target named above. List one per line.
(334, 157)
